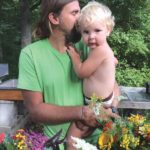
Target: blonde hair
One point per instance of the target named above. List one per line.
(95, 11)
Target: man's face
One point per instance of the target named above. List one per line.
(68, 17)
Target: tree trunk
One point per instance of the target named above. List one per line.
(1, 51)
(25, 23)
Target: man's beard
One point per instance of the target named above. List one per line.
(73, 37)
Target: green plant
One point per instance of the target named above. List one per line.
(130, 46)
(128, 76)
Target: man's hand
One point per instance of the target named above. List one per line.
(90, 119)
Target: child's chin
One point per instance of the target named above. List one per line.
(92, 46)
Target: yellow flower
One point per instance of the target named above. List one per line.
(124, 130)
(105, 141)
(128, 140)
(137, 119)
(125, 141)
(147, 128)
(144, 130)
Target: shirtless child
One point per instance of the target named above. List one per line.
(98, 71)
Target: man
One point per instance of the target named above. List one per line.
(51, 90)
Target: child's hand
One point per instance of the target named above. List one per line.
(115, 61)
(107, 114)
(81, 126)
(85, 130)
(72, 51)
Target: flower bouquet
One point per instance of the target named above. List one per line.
(128, 133)
(124, 133)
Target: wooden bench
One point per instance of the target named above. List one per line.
(8, 90)
(11, 94)
(14, 94)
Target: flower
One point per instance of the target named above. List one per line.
(82, 144)
(108, 126)
(105, 141)
(2, 137)
(136, 119)
(126, 133)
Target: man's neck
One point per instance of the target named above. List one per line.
(57, 40)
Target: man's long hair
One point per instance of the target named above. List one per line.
(43, 28)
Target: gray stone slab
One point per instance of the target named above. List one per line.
(8, 113)
(18, 124)
(9, 84)
(134, 97)
(3, 70)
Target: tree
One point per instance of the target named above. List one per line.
(130, 39)
(26, 16)
(25, 23)
(1, 52)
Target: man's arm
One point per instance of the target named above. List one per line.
(49, 113)
(53, 114)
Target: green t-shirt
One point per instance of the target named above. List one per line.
(44, 69)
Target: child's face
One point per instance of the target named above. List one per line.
(95, 34)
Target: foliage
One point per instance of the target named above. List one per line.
(130, 39)
(134, 57)
(128, 76)
(9, 35)
(83, 2)
(10, 32)
(130, 46)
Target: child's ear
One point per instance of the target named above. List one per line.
(53, 18)
(108, 32)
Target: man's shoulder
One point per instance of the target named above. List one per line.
(80, 45)
(83, 49)
(35, 46)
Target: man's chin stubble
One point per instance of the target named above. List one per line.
(73, 37)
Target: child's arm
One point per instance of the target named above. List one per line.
(74, 131)
(115, 102)
(117, 94)
(89, 66)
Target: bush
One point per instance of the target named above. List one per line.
(130, 46)
(132, 77)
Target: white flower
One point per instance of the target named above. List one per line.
(81, 144)
(96, 108)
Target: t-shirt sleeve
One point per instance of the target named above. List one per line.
(83, 50)
(28, 78)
